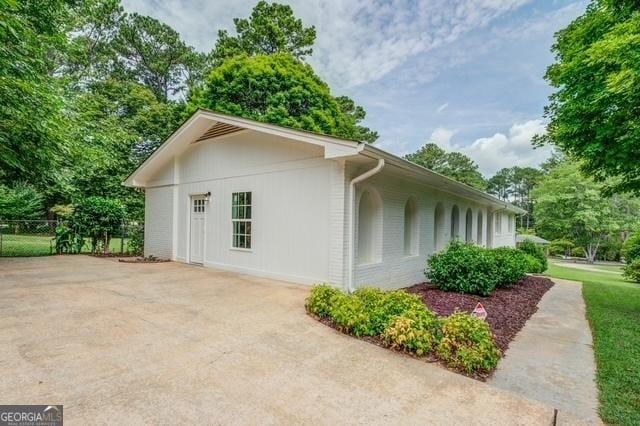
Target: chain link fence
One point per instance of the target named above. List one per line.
(47, 237)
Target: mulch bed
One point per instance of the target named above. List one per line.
(508, 308)
(111, 254)
(143, 260)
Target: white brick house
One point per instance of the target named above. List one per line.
(266, 200)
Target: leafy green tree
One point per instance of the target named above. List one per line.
(455, 165)
(515, 184)
(20, 202)
(277, 89)
(99, 218)
(32, 127)
(91, 52)
(272, 28)
(109, 124)
(153, 54)
(570, 206)
(594, 113)
(501, 184)
(356, 114)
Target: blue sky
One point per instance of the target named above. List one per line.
(467, 75)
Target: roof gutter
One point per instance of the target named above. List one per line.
(352, 203)
(412, 167)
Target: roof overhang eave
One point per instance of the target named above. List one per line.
(452, 186)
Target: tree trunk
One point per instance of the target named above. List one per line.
(591, 251)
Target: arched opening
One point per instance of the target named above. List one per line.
(479, 229)
(410, 227)
(455, 223)
(438, 228)
(468, 226)
(369, 227)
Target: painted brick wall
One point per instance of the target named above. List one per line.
(396, 269)
(505, 237)
(338, 247)
(158, 230)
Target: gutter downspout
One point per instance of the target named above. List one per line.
(352, 202)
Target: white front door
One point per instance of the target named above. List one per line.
(196, 238)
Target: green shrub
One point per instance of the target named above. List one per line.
(415, 331)
(351, 315)
(560, 247)
(511, 265)
(21, 202)
(532, 264)
(136, 240)
(631, 248)
(464, 268)
(631, 271)
(467, 344)
(381, 306)
(67, 240)
(395, 303)
(372, 297)
(319, 301)
(577, 252)
(533, 249)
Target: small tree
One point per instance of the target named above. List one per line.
(98, 218)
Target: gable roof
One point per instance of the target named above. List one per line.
(205, 124)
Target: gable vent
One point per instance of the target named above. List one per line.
(218, 129)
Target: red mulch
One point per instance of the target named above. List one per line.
(508, 308)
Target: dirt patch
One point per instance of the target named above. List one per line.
(508, 308)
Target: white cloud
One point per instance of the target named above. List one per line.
(500, 150)
(359, 41)
(442, 107)
(442, 137)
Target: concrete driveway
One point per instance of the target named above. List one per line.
(173, 343)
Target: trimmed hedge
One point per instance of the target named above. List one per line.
(403, 322)
(468, 268)
(464, 268)
(533, 249)
(532, 264)
(511, 265)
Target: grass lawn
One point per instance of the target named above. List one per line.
(613, 309)
(36, 245)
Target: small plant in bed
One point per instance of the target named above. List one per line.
(401, 321)
(467, 344)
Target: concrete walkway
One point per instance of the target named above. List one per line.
(172, 343)
(551, 359)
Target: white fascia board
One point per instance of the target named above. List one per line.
(178, 141)
(200, 122)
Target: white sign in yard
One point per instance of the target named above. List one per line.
(480, 311)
